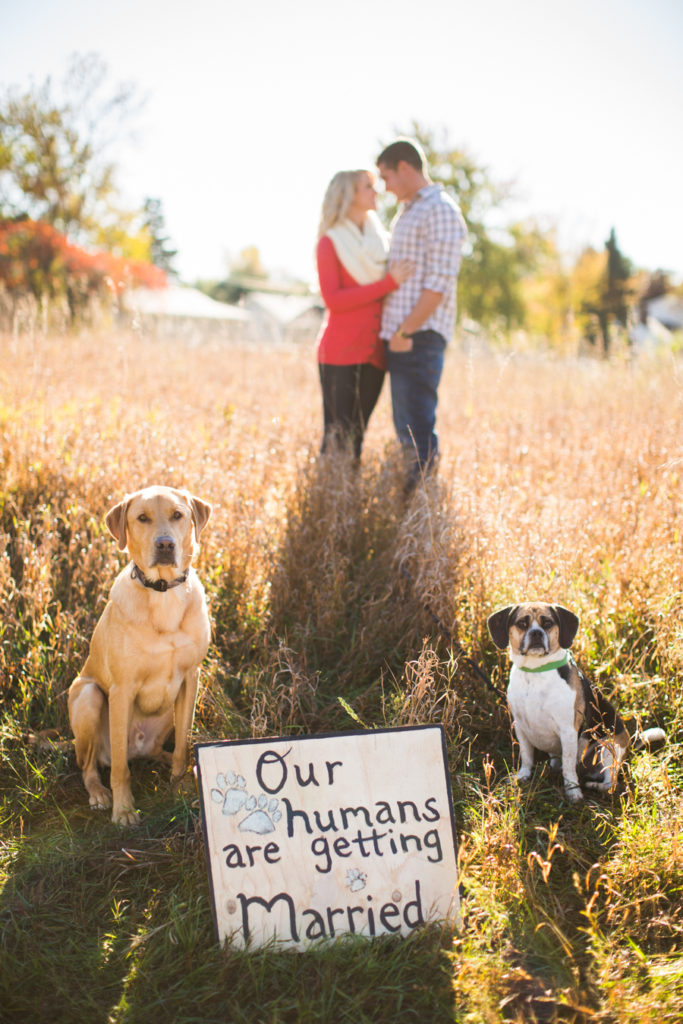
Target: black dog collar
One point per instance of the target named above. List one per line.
(159, 585)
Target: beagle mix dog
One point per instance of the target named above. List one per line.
(139, 682)
(554, 707)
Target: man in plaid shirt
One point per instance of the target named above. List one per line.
(418, 318)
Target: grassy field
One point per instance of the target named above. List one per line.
(561, 479)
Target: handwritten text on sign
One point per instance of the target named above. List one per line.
(310, 838)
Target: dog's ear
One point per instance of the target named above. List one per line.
(569, 624)
(498, 624)
(116, 522)
(201, 511)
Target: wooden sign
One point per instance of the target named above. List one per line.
(311, 838)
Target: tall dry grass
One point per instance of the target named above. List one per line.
(559, 478)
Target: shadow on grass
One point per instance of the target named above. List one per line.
(337, 618)
(110, 926)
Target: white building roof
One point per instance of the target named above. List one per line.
(283, 309)
(668, 309)
(181, 301)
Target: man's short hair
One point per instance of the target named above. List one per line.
(403, 149)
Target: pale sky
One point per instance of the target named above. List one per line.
(252, 107)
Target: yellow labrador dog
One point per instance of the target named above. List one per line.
(140, 679)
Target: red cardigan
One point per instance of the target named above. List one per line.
(350, 333)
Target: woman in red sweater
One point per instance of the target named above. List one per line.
(352, 267)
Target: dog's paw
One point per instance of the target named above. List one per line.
(99, 798)
(573, 792)
(183, 783)
(524, 774)
(126, 816)
(601, 787)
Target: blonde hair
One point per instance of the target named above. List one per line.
(338, 199)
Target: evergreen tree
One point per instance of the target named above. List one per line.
(617, 291)
(161, 254)
(604, 295)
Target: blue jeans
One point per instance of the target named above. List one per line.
(415, 377)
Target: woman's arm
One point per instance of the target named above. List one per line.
(336, 297)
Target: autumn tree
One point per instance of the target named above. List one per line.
(546, 292)
(38, 260)
(55, 145)
(586, 285)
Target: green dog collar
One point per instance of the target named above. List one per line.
(550, 665)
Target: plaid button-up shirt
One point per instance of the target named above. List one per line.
(430, 231)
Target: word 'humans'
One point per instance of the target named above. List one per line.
(383, 813)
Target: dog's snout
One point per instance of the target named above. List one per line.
(164, 550)
(534, 639)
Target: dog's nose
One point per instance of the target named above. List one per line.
(535, 634)
(165, 545)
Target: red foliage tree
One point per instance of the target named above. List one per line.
(37, 259)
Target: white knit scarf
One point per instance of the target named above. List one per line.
(363, 253)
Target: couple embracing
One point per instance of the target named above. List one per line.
(390, 303)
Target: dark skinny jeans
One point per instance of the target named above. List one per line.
(350, 394)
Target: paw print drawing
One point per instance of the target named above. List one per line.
(231, 792)
(355, 879)
(262, 814)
